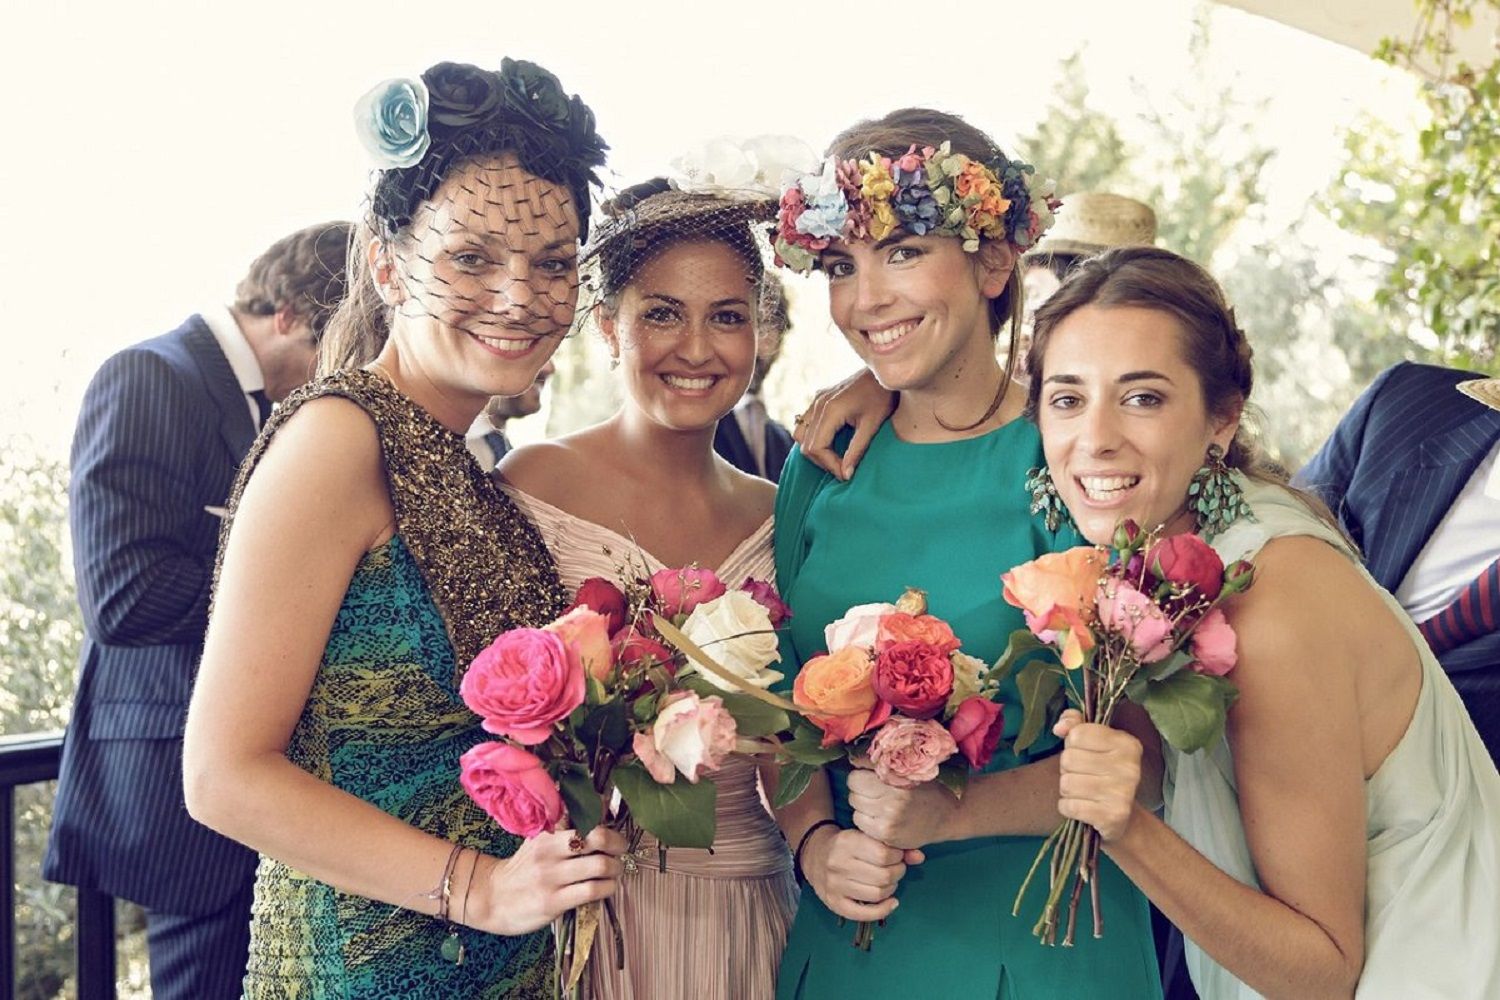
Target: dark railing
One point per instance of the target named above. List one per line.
(26, 760)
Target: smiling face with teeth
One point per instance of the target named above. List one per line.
(684, 330)
(916, 309)
(1123, 419)
(486, 282)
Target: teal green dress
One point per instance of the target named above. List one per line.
(384, 720)
(948, 518)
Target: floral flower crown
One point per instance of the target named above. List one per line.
(413, 128)
(925, 191)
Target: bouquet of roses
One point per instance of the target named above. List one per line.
(1140, 621)
(894, 693)
(595, 708)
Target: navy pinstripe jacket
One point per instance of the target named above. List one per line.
(1393, 467)
(163, 427)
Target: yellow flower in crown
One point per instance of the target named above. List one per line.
(875, 181)
(882, 220)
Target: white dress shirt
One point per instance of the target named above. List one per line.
(1465, 542)
(226, 330)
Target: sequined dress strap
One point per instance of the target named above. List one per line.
(483, 560)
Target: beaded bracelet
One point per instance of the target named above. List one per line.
(797, 871)
(452, 948)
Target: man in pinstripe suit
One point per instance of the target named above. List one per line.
(1413, 473)
(161, 432)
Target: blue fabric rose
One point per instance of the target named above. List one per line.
(824, 216)
(391, 122)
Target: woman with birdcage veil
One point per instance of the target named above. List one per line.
(366, 559)
(677, 269)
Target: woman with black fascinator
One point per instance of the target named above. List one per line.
(326, 725)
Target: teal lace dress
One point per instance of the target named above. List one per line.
(384, 720)
(948, 518)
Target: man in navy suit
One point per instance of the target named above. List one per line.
(1413, 473)
(747, 437)
(163, 427)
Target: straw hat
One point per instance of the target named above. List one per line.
(1092, 221)
(1486, 390)
(654, 204)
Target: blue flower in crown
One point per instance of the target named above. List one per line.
(391, 122)
(913, 201)
(827, 209)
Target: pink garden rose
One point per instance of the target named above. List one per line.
(510, 785)
(657, 765)
(907, 752)
(598, 594)
(977, 727)
(587, 632)
(765, 595)
(694, 733)
(915, 677)
(1187, 559)
(1213, 645)
(1130, 613)
(679, 591)
(523, 683)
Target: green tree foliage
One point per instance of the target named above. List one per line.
(1075, 145)
(1435, 210)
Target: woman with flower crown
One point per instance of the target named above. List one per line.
(1343, 838)
(917, 220)
(366, 559)
(679, 274)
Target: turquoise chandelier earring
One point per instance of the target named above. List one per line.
(1214, 496)
(1044, 498)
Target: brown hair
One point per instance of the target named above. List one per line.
(360, 326)
(304, 272)
(1213, 344)
(892, 135)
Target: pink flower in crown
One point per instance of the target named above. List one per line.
(679, 591)
(793, 204)
(911, 160)
(907, 752)
(1213, 645)
(857, 225)
(511, 786)
(1131, 614)
(523, 683)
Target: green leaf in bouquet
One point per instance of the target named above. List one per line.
(644, 708)
(1188, 708)
(585, 809)
(607, 727)
(791, 782)
(953, 774)
(806, 745)
(1163, 669)
(1038, 681)
(679, 815)
(1021, 643)
(596, 693)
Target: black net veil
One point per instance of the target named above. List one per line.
(480, 203)
(691, 250)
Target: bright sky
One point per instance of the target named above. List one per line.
(153, 149)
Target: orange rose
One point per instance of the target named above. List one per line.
(1059, 579)
(926, 629)
(837, 689)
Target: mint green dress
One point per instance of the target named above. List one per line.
(948, 518)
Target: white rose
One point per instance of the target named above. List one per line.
(966, 671)
(858, 627)
(695, 734)
(736, 631)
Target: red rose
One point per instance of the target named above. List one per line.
(598, 594)
(632, 649)
(679, 591)
(1187, 559)
(976, 728)
(914, 677)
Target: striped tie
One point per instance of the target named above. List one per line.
(1473, 613)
